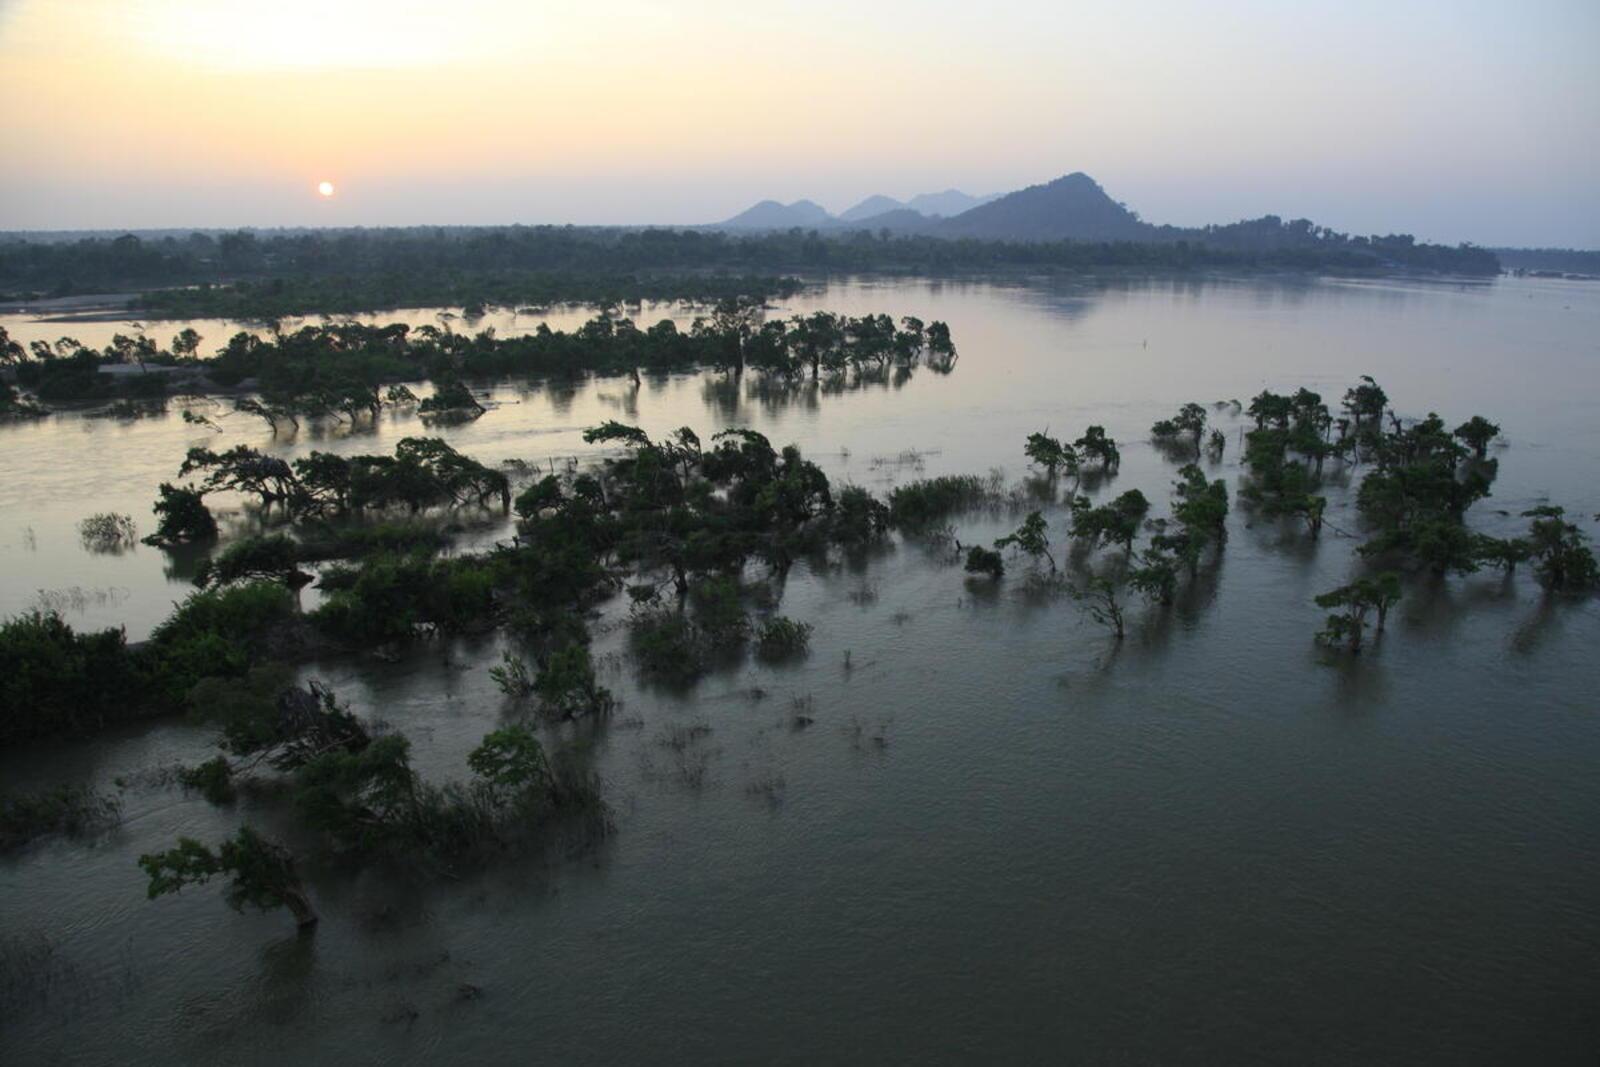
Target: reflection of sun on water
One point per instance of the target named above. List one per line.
(325, 188)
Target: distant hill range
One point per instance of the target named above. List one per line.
(872, 213)
(1070, 208)
(1075, 208)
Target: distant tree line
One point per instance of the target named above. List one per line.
(333, 271)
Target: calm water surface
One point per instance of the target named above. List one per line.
(1001, 838)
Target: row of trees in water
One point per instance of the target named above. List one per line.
(341, 370)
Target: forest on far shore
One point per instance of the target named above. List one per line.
(273, 274)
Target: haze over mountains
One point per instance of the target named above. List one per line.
(874, 211)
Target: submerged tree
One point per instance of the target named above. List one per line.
(1476, 433)
(1347, 625)
(181, 516)
(1031, 538)
(567, 684)
(1116, 523)
(1190, 421)
(1100, 600)
(1365, 402)
(1051, 454)
(261, 873)
(1095, 445)
(1561, 554)
(981, 560)
(1155, 575)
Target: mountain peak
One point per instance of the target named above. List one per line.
(772, 215)
(874, 205)
(1071, 207)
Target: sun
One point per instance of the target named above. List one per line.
(325, 188)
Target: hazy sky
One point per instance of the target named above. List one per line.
(1454, 120)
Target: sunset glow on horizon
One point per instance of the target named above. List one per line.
(210, 112)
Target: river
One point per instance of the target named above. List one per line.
(1000, 837)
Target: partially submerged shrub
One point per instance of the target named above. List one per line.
(781, 638)
(261, 873)
(54, 680)
(275, 557)
(181, 516)
(981, 560)
(214, 632)
(512, 676)
(666, 644)
(567, 684)
(920, 503)
(1561, 553)
(719, 610)
(392, 597)
(858, 517)
(108, 531)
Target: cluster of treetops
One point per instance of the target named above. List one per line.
(696, 515)
(351, 270)
(342, 369)
(675, 524)
(682, 519)
(1413, 503)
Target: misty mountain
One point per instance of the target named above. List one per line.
(901, 222)
(949, 203)
(1073, 207)
(872, 207)
(771, 215)
(875, 212)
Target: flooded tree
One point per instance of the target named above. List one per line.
(276, 557)
(1116, 523)
(243, 469)
(181, 516)
(1101, 600)
(981, 560)
(451, 397)
(1155, 575)
(1418, 497)
(260, 873)
(1561, 553)
(566, 683)
(1477, 433)
(1097, 446)
(1051, 454)
(1365, 402)
(1346, 627)
(1190, 422)
(1501, 552)
(1031, 538)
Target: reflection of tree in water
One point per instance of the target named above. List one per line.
(728, 395)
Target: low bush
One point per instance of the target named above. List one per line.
(920, 503)
(782, 638)
(54, 680)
